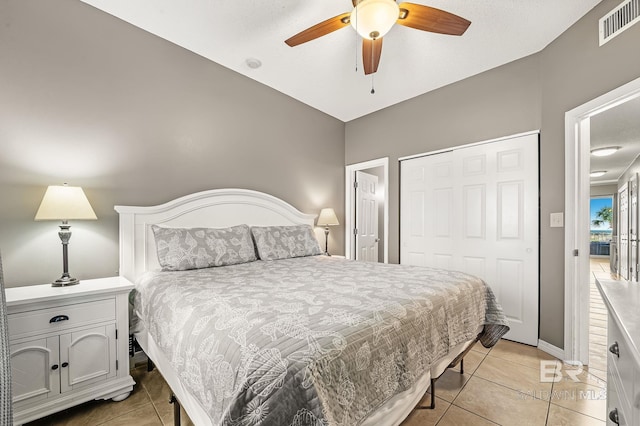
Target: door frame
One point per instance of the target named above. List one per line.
(577, 194)
(350, 204)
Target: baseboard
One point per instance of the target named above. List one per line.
(551, 350)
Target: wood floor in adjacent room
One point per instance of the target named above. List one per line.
(499, 386)
(598, 313)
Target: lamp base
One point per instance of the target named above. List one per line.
(65, 281)
(326, 241)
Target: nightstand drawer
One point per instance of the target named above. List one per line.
(25, 324)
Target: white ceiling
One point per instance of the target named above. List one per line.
(321, 73)
(618, 126)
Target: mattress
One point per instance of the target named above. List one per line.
(312, 340)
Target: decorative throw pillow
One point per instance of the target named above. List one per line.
(180, 249)
(283, 242)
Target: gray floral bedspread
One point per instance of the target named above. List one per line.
(309, 341)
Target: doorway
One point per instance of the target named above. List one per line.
(601, 226)
(378, 168)
(578, 135)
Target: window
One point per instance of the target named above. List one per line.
(601, 225)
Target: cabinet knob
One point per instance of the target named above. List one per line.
(59, 318)
(613, 416)
(54, 367)
(615, 349)
(65, 364)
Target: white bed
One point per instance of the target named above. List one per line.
(224, 208)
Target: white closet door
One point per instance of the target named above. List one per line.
(475, 209)
(427, 211)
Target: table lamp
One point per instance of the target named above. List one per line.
(327, 218)
(65, 203)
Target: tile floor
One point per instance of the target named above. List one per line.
(499, 386)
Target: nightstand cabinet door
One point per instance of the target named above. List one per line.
(35, 370)
(87, 357)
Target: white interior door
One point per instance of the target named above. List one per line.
(366, 217)
(633, 228)
(475, 209)
(623, 231)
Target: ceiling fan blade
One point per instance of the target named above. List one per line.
(430, 19)
(371, 51)
(319, 30)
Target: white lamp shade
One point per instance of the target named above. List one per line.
(374, 18)
(327, 218)
(65, 203)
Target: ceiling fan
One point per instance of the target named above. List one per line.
(372, 19)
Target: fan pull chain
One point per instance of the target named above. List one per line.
(373, 90)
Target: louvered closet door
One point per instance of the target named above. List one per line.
(475, 209)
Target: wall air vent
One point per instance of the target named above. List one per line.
(619, 19)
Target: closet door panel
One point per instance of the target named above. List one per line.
(477, 211)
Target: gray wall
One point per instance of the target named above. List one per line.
(93, 101)
(634, 168)
(528, 94)
(601, 190)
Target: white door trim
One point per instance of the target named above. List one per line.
(350, 203)
(439, 151)
(576, 269)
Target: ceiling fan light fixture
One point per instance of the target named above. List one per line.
(373, 19)
(603, 152)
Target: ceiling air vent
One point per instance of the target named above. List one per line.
(619, 19)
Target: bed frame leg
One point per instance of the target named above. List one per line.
(462, 366)
(150, 365)
(176, 409)
(433, 394)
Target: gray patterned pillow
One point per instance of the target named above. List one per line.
(180, 249)
(283, 242)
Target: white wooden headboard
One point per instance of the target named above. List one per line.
(217, 208)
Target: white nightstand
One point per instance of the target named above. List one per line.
(68, 345)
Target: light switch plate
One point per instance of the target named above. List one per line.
(556, 220)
